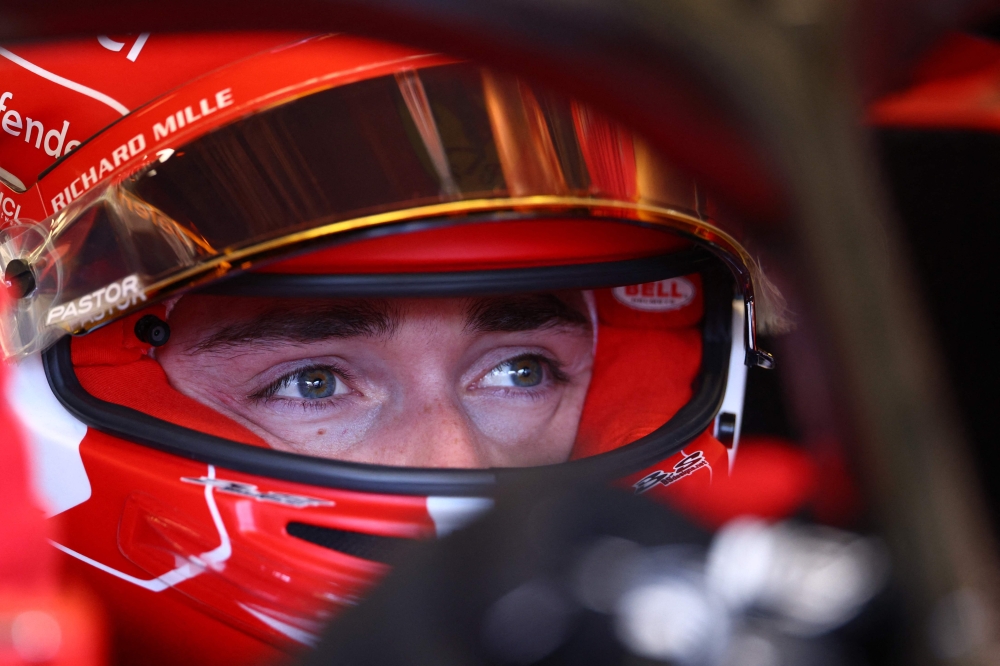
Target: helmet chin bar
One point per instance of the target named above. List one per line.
(709, 392)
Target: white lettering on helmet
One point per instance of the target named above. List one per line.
(130, 285)
(120, 156)
(251, 491)
(55, 313)
(120, 295)
(98, 294)
(136, 145)
(105, 168)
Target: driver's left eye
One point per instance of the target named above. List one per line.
(523, 372)
(311, 384)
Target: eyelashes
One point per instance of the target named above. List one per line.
(318, 385)
(559, 375)
(313, 383)
(526, 371)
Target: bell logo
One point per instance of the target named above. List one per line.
(662, 296)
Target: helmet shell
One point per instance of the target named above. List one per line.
(262, 561)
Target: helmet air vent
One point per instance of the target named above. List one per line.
(373, 547)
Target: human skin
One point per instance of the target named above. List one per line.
(446, 382)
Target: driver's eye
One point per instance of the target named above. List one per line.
(311, 384)
(523, 372)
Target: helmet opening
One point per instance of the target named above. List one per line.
(662, 349)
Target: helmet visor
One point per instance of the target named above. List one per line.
(428, 144)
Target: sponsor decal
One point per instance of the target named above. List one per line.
(687, 466)
(133, 52)
(10, 209)
(136, 146)
(90, 177)
(33, 131)
(251, 491)
(662, 296)
(192, 114)
(96, 305)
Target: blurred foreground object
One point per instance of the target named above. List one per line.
(593, 576)
(40, 622)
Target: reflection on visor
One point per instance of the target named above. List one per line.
(423, 144)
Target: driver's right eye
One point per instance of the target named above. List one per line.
(310, 384)
(523, 372)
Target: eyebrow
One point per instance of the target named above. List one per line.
(521, 313)
(303, 324)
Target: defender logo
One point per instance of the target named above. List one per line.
(662, 296)
(251, 491)
(687, 466)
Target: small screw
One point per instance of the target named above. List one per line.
(19, 278)
(152, 330)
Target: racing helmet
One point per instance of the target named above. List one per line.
(407, 208)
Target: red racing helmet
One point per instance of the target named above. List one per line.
(331, 188)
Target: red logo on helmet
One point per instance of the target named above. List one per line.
(662, 296)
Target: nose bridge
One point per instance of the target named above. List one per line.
(441, 434)
(434, 429)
